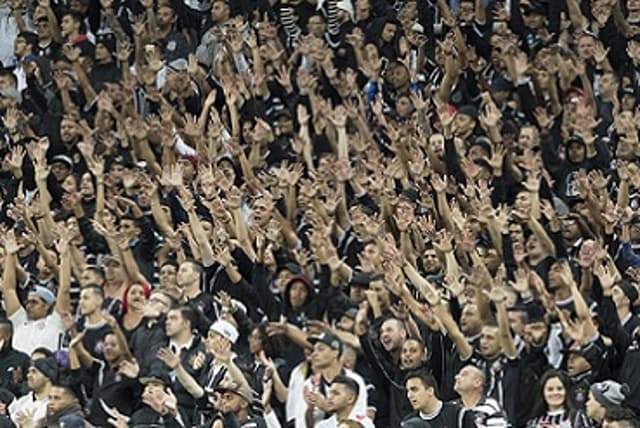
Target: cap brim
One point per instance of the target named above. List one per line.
(151, 379)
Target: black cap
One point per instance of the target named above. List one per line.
(535, 7)
(329, 339)
(351, 313)
(156, 376)
(575, 138)
(108, 40)
(483, 142)
(48, 367)
(629, 290)
(359, 279)
(629, 89)
(292, 267)
(411, 193)
(468, 110)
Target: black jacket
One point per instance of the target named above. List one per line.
(12, 362)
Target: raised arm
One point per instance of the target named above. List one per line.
(63, 299)
(10, 294)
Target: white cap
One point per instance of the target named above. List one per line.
(225, 329)
(347, 7)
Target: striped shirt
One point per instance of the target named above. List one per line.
(488, 414)
(562, 419)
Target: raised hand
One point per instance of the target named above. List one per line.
(130, 369)
(169, 358)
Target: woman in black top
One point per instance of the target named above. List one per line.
(555, 407)
(135, 298)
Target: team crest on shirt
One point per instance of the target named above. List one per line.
(99, 348)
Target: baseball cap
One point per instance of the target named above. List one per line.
(43, 293)
(351, 313)
(179, 64)
(48, 367)
(225, 329)
(156, 376)
(629, 290)
(468, 110)
(242, 390)
(62, 159)
(609, 393)
(329, 339)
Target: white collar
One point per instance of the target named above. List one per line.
(178, 348)
(433, 415)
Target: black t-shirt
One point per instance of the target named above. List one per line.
(93, 340)
(13, 370)
(203, 304)
(448, 416)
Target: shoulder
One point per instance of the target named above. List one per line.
(363, 420)
(19, 316)
(353, 375)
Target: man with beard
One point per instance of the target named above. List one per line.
(40, 378)
(63, 406)
(341, 400)
(431, 264)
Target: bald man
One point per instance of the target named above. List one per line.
(469, 384)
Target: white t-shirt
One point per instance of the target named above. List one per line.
(295, 391)
(27, 403)
(31, 334)
(360, 407)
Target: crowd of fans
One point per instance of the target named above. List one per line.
(320, 213)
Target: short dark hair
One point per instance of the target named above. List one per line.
(95, 289)
(97, 269)
(42, 350)
(30, 38)
(626, 417)
(196, 265)
(8, 73)
(350, 383)
(170, 262)
(76, 16)
(187, 313)
(70, 387)
(425, 377)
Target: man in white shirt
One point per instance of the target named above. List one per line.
(38, 324)
(40, 378)
(325, 361)
(341, 401)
